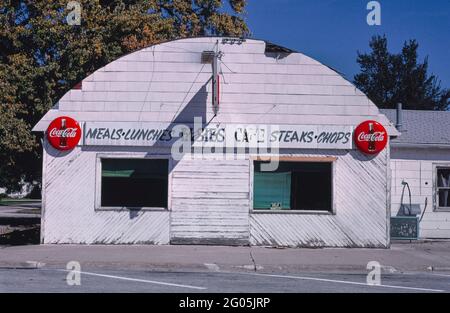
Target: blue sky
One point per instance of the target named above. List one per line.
(331, 31)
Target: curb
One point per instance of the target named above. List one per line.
(30, 265)
(215, 267)
(438, 268)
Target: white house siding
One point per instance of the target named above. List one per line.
(168, 83)
(361, 202)
(415, 166)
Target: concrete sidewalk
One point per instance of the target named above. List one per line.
(402, 257)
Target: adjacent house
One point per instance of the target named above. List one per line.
(420, 160)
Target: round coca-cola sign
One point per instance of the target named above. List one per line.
(370, 137)
(64, 133)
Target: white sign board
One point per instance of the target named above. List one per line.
(218, 135)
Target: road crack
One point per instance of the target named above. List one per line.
(253, 261)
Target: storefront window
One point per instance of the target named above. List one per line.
(134, 183)
(443, 188)
(300, 186)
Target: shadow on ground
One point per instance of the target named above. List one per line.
(25, 236)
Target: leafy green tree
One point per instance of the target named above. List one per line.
(42, 57)
(389, 78)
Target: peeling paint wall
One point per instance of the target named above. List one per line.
(210, 202)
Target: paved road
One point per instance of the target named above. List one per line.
(103, 280)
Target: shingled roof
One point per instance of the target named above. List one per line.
(422, 128)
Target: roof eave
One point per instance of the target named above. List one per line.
(419, 145)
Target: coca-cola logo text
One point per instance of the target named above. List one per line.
(63, 133)
(376, 136)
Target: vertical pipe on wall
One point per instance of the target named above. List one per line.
(399, 121)
(215, 83)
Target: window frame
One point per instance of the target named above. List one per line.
(332, 160)
(98, 181)
(436, 188)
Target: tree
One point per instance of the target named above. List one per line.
(42, 57)
(388, 79)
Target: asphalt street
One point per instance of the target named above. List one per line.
(104, 280)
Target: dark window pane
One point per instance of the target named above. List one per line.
(444, 198)
(443, 177)
(295, 186)
(312, 190)
(134, 183)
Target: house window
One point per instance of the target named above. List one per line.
(443, 188)
(299, 186)
(134, 183)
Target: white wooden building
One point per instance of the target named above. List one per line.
(420, 157)
(112, 190)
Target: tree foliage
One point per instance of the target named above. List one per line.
(42, 57)
(389, 78)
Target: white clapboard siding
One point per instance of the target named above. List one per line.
(197, 108)
(169, 79)
(226, 88)
(250, 118)
(122, 105)
(196, 67)
(206, 208)
(227, 78)
(415, 166)
(204, 97)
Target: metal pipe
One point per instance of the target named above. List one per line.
(399, 123)
(215, 82)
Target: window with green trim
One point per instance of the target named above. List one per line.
(134, 183)
(303, 186)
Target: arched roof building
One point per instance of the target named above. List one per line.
(122, 184)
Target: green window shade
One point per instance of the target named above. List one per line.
(129, 168)
(272, 190)
(117, 173)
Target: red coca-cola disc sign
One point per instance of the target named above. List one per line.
(370, 137)
(64, 133)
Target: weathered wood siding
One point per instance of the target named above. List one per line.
(210, 202)
(415, 166)
(360, 200)
(69, 214)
